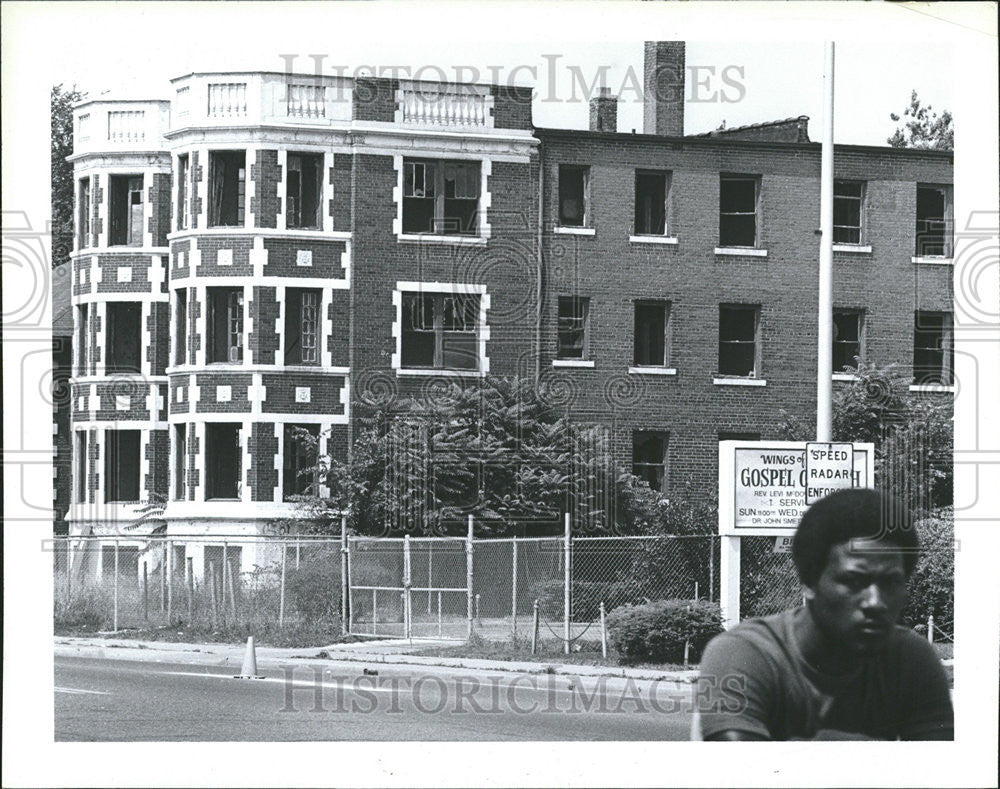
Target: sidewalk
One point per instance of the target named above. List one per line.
(388, 652)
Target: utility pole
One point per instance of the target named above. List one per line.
(824, 355)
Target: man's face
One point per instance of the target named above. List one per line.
(859, 595)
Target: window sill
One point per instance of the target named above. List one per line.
(574, 231)
(845, 377)
(753, 252)
(931, 388)
(739, 381)
(434, 372)
(669, 240)
(421, 238)
(326, 235)
(652, 371)
(585, 363)
(933, 260)
(855, 249)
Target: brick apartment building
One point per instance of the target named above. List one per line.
(266, 250)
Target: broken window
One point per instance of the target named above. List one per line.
(574, 198)
(933, 348)
(302, 326)
(649, 457)
(304, 191)
(738, 211)
(82, 338)
(572, 341)
(123, 337)
(180, 462)
(83, 220)
(225, 317)
(126, 210)
(299, 457)
(223, 460)
(121, 465)
(933, 221)
(440, 330)
(651, 202)
(847, 325)
(227, 188)
(848, 198)
(183, 204)
(180, 326)
(738, 328)
(80, 465)
(441, 197)
(650, 334)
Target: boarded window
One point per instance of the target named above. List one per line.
(183, 204)
(80, 465)
(82, 338)
(180, 326)
(737, 211)
(83, 217)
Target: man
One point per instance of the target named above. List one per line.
(838, 667)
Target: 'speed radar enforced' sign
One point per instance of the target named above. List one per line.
(763, 484)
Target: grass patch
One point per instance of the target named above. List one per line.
(304, 634)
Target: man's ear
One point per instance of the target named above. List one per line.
(808, 594)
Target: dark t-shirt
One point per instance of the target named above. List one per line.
(754, 679)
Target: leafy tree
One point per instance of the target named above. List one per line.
(62, 100)
(922, 128)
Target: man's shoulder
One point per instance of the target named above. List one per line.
(752, 640)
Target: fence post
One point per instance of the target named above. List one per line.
(567, 580)
(145, 590)
(729, 580)
(374, 611)
(232, 590)
(468, 578)
(225, 564)
(344, 548)
(170, 581)
(350, 589)
(163, 577)
(513, 589)
(406, 586)
(190, 587)
(439, 614)
(116, 587)
(477, 607)
(430, 573)
(211, 591)
(534, 627)
(711, 568)
(281, 594)
(604, 634)
(930, 628)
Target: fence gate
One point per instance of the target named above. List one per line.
(409, 587)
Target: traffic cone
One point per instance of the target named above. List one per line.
(249, 670)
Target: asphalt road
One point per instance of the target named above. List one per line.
(119, 700)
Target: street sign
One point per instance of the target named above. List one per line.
(762, 484)
(782, 544)
(829, 467)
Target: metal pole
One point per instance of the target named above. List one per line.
(439, 614)
(163, 577)
(190, 587)
(350, 590)
(513, 589)
(477, 607)
(567, 579)
(468, 578)
(729, 581)
(430, 573)
(824, 355)
(604, 633)
(406, 586)
(170, 581)
(281, 595)
(343, 575)
(374, 612)
(145, 590)
(232, 590)
(116, 587)
(695, 590)
(711, 568)
(225, 564)
(534, 627)
(211, 589)
(930, 628)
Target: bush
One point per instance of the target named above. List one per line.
(932, 585)
(89, 608)
(656, 632)
(314, 588)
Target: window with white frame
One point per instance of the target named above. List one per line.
(304, 191)
(440, 331)
(738, 218)
(302, 325)
(573, 328)
(848, 331)
(933, 231)
(933, 348)
(848, 204)
(225, 325)
(739, 347)
(441, 197)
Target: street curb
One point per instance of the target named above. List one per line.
(231, 654)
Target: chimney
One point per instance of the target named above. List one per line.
(604, 112)
(663, 85)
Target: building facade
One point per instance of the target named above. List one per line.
(264, 251)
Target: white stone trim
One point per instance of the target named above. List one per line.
(232, 369)
(303, 257)
(652, 371)
(201, 325)
(93, 252)
(145, 439)
(245, 493)
(574, 231)
(250, 187)
(582, 363)
(258, 257)
(857, 249)
(932, 260)
(929, 388)
(265, 281)
(281, 222)
(753, 252)
(845, 377)
(668, 240)
(123, 274)
(204, 163)
(147, 207)
(224, 257)
(327, 192)
(325, 326)
(278, 492)
(102, 236)
(247, 296)
(403, 286)
(279, 325)
(739, 381)
(346, 258)
(146, 332)
(115, 297)
(203, 417)
(157, 272)
(422, 238)
(312, 235)
(198, 462)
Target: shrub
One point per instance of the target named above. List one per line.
(656, 632)
(932, 585)
(313, 588)
(88, 608)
